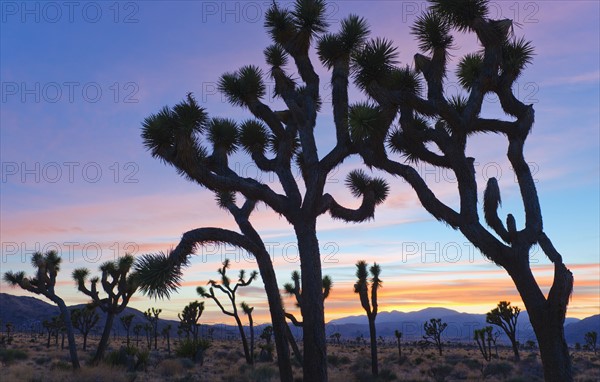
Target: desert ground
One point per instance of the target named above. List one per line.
(28, 359)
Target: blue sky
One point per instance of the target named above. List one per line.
(78, 80)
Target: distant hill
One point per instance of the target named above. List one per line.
(26, 312)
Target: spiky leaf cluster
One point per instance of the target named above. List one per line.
(373, 62)
(353, 33)
(253, 136)
(461, 14)
(275, 55)
(469, 69)
(360, 183)
(432, 31)
(516, 55)
(223, 134)
(243, 86)
(364, 122)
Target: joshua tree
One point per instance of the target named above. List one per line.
(248, 311)
(294, 289)
(47, 266)
(591, 339)
(505, 316)
(152, 316)
(177, 136)
(119, 285)
(398, 335)
(433, 128)
(166, 332)
(189, 318)
(433, 332)
(126, 321)
(9, 327)
(53, 328)
(361, 287)
(336, 336)
(266, 353)
(484, 339)
(84, 319)
(226, 288)
(137, 330)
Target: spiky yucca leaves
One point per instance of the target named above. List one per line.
(280, 24)
(516, 55)
(253, 136)
(223, 134)
(432, 31)
(275, 55)
(360, 184)
(365, 122)
(352, 36)
(162, 275)
(243, 86)
(361, 287)
(469, 69)
(462, 14)
(373, 62)
(163, 130)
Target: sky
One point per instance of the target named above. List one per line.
(78, 79)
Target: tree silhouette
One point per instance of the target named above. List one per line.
(248, 311)
(152, 316)
(433, 128)
(166, 332)
(126, 321)
(484, 339)
(47, 266)
(433, 332)
(84, 319)
(226, 288)
(591, 339)
(188, 318)
(177, 135)
(361, 287)
(118, 283)
(505, 316)
(398, 335)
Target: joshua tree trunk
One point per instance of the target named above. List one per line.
(70, 333)
(373, 333)
(244, 340)
(294, 345)
(105, 337)
(313, 313)
(547, 317)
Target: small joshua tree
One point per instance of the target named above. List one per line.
(484, 339)
(84, 319)
(433, 332)
(44, 282)
(230, 291)
(152, 316)
(126, 321)
(248, 311)
(166, 332)
(137, 330)
(505, 316)
(398, 335)
(361, 287)
(266, 352)
(294, 289)
(591, 339)
(118, 284)
(188, 318)
(336, 336)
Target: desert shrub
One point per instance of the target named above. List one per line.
(336, 360)
(501, 369)
(186, 363)
(419, 360)
(9, 355)
(170, 368)
(439, 373)
(192, 349)
(60, 365)
(361, 364)
(130, 357)
(472, 364)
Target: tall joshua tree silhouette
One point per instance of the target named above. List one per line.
(118, 283)
(505, 316)
(230, 291)
(361, 287)
(47, 266)
(434, 129)
(178, 135)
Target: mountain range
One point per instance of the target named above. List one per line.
(27, 313)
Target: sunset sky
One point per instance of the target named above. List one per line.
(78, 78)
